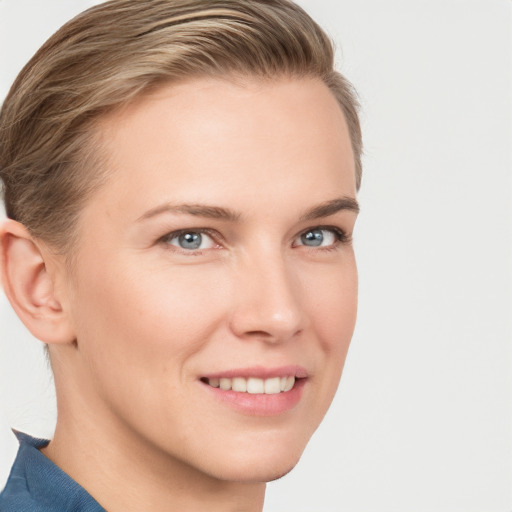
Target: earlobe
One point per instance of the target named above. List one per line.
(30, 287)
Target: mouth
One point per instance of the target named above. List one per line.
(258, 391)
(253, 385)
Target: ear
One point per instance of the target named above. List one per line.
(30, 286)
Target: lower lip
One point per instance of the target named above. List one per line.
(260, 404)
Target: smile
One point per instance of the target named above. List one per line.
(253, 385)
(259, 390)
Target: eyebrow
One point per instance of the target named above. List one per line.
(200, 210)
(331, 207)
(220, 213)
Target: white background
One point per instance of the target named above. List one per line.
(423, 420)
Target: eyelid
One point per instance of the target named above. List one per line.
(213, 234)
(341, 236)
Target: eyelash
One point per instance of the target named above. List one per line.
(166, 239)
(341, 239)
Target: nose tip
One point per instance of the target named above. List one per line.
(267, 305)
(276, 328)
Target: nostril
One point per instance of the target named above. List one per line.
(261, 334)
(274, 336)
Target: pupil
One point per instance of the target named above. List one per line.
(313, 238)
(190, 240)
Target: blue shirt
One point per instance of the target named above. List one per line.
(36, 484)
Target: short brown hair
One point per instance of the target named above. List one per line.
(113, 53)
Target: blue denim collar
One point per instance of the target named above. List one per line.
(37, 484)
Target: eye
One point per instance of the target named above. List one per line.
(190, 240)
(321, 237)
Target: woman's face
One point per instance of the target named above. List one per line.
(218, 254)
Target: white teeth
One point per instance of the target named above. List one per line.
(239, 384)
(273, 386)
(254, 385)
(225, 384)
(290, 382)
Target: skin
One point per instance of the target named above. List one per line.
(136, 321)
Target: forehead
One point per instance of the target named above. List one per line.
(228, 141)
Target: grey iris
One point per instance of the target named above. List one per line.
(190, 240)
(312, 238)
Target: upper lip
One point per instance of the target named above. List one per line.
(260, 372)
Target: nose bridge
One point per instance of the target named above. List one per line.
(267, 297)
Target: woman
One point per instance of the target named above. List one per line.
(180, 180)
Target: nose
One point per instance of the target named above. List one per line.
(266, 300)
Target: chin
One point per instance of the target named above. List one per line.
(257, 475)
(262, 468)
(280, 475)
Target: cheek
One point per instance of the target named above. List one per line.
(139, 332)
(331, 297)
(148, 319)
(332, 302)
